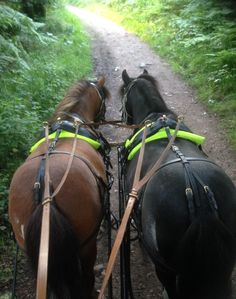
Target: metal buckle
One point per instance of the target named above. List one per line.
(188, 191)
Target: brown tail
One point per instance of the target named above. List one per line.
(65, 279)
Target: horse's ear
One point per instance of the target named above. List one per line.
(145, 71)
(125, 77)
(101, 81)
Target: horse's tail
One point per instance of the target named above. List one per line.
(64, 268)
(206, 258)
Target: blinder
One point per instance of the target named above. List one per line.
(126, 117)
(102, 111)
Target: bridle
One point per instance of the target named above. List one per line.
(125, 114)
(126, 117)
(101, 113)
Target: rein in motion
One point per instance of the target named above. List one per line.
(185, 214)
(78, 192)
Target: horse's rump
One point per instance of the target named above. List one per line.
(201, 252)
(79, 194)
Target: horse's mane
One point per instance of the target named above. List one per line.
(72, 98)
(169, 113)
(145, 76)
(150, 79)
(149, 88)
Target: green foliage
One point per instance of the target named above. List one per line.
(38, 62)
(87, 3)
(33, 83)
(18, 36)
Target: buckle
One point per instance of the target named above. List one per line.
(189, 191)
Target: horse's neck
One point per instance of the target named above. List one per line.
(153, 104)
(82, 113)
(139, 114)
(86, 111)
(147, 113)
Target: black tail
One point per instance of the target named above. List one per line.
(206, 258)
(64, 268)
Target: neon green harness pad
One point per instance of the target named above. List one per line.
(161, 134)
(65, 134)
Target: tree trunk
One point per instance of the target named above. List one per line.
(35, 9)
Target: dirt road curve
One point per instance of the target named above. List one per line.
(114, 50)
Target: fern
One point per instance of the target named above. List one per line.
(10, 55)
(19, 35)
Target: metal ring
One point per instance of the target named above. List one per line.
(47, 200)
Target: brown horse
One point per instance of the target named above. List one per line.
(77, 210)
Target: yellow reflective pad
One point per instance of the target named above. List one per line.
(161, 134)
(64, 134)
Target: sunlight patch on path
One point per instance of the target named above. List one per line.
(95, 20)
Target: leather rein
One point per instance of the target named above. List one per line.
(41, 289)
(138, 183)
(42, 274)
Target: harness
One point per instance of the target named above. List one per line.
(164, 128)
(193, 182)
(125, 114)
(155, 131)
(66, 129)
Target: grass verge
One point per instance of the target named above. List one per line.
(38, 62)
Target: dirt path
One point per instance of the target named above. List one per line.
(114, 50)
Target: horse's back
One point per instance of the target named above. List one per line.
(165, 206)
(79, 197)
(163, 212)
(83, 149)
(192, 247)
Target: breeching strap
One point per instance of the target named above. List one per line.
(41, 290)
(133, 196)
(42, 275)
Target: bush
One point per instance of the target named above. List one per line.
(37, 64)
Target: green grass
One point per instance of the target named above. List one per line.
(198, 39)
(31, 90)
(38, 62)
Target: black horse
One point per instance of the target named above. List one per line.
(186, 213)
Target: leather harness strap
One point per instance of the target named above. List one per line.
(41, 290)
(133, 196)
(69, 163)
(192, 180)
(98, 178)
(101, 185)
(42, 275)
